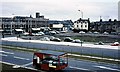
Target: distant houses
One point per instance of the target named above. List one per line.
(20, 24)
(106, 26)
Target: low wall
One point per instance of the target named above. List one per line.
(84, 50)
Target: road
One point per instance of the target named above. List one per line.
(24, 59)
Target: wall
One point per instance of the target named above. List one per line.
(84, 50)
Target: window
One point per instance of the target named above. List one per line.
(81, 25)
(77, 25)
(85, 25)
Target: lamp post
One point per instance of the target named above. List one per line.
(81, 12)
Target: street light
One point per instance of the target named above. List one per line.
(81, 12)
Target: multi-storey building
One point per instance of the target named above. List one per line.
(20, 24)
(81, 25)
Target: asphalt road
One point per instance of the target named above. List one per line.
(24, 59)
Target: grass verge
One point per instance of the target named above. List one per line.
(8, 68)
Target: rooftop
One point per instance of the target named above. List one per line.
(51, 52)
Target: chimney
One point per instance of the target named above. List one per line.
(37, 15)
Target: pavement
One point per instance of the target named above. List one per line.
(24, 59)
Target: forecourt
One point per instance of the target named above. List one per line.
(100, 50)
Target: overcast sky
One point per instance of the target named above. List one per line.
(61, 9)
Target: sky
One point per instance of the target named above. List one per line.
(61, 9)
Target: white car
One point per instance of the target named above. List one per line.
(40, 33)
(26, 33)
(81, 32)
(77, 41)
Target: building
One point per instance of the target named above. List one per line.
(105, 26)
(81, 25)
(65, 25)
(18, 24)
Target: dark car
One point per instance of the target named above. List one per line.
(68, 39)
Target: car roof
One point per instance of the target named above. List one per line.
(51, 52)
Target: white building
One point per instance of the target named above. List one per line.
(82, 24)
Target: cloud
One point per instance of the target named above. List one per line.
(61, 9)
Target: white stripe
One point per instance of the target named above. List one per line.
(103, 67)
(79, 68)
(6, 52)
(3, 55)
(7, 63)
(27, 64)
(21, 58)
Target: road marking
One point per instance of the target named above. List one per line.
(79, 68)
(103, 67)
(21, 58)
(16, 66)
(3, 55)
(27, 64)
(6, 52)
(7, 63)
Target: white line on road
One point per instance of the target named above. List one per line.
(6, 52)
(79, 68)
(7, 63)
(21, 58)
(103, 67)
(3, 55)
(27, 64)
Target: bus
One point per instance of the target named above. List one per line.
(50, 60)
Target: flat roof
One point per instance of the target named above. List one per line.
(51, 52)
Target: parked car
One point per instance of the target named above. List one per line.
(56, 39)
(45, 39)
(77, 41)
(40, 33)
(68, 39)
(52, 32)
(81, 32)
(105, 33)
(51, 38)
(26, 33)
(115, 44)
(99, 43)
(96, 32)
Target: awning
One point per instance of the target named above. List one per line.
(35, 28)
(18, 30)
